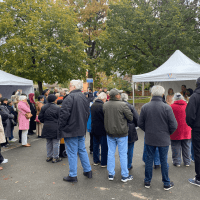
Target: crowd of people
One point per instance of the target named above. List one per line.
(111, 121)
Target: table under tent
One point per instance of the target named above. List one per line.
(178, 70)
(10, 83)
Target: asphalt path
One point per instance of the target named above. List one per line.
(28, 176)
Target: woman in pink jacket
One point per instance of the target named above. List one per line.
(181, 138)
(23, 108)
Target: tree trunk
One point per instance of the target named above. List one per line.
(40, 87)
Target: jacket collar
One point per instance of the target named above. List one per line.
(74, 91)
(99, 101)
(197, 90)
(156, 98)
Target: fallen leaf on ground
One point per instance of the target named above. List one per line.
(16, 181)
(54, 183)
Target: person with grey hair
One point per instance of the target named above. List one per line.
(98, 131)
(116, 115)
(158, 122)
(181, 138)
(72, 126)
(132, 133)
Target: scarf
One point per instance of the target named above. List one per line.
(31, 95)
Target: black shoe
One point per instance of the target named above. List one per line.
(156, 166)
(55, 160)
(30, 133)
(88, 174)
(147, 184)
(49, 159)
(130, 168)
(70, 179)
(20, 141)
(168, 187)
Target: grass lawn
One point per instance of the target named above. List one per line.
(139, 100)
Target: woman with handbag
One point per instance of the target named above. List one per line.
(8, 127)
(39, 125)
(24, 115)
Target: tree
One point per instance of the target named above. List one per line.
(141, 35)
(42, 41)
(91, 17)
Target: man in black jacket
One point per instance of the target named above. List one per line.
(98, 131)
(72, 127)
(193, 120)
(158, 122)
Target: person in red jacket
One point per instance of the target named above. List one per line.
(181, 138)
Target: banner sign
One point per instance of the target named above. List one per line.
(89, 80)
(171, 76)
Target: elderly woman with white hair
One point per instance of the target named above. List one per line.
(158, 122)
(132, 133)
(98, 131)
(24, 114)
(181, 138)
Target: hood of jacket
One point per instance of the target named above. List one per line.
(180, 102)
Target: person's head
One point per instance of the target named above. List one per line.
(124, 97)
(46, 92)
(57, 95)
(102, 96)
(41, 98)
(52, 98)
(178, 96)
(4, 101)
(90, 90)
(170, 91)
(75, 85)
(100, 90)
(183, 88)
(23, 98)
(10, 103)
(189, 92)
(59, 102)
(105, 89)
(62, 93)
(115, 94)
(157, 90)
(23, 95)
(55, 90)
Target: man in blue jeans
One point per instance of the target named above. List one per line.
(116, 114)
(73, 118)
(158, 122)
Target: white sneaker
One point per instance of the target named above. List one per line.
(15, 139)
(5, 161)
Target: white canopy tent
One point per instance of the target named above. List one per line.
(176, 71)
(10, 83)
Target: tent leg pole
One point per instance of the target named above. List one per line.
(133, 94)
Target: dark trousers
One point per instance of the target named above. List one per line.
(4, 144)
(196, 147)
(20, 136)
(179, 146)
(91, 142)
(100, 140)
(163, 151)
(1, 157)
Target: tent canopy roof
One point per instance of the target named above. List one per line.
(9, 79)
(177, 68)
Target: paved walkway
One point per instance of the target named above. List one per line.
(28, 176)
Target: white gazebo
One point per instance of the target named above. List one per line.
(176, 71)
(10, 83)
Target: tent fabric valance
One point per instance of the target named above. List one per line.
(177, 68)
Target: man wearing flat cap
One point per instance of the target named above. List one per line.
(116, 114)
(193, 120)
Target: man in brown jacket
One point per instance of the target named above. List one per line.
(116, 114)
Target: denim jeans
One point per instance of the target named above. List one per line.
(130, 153)
(156, 156)
(122, 143)
(163, 151)
(74, 145)
(12, 128)
(97, 140)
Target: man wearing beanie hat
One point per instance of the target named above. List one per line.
(116, 114)
(193, 120)
(49, 115)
